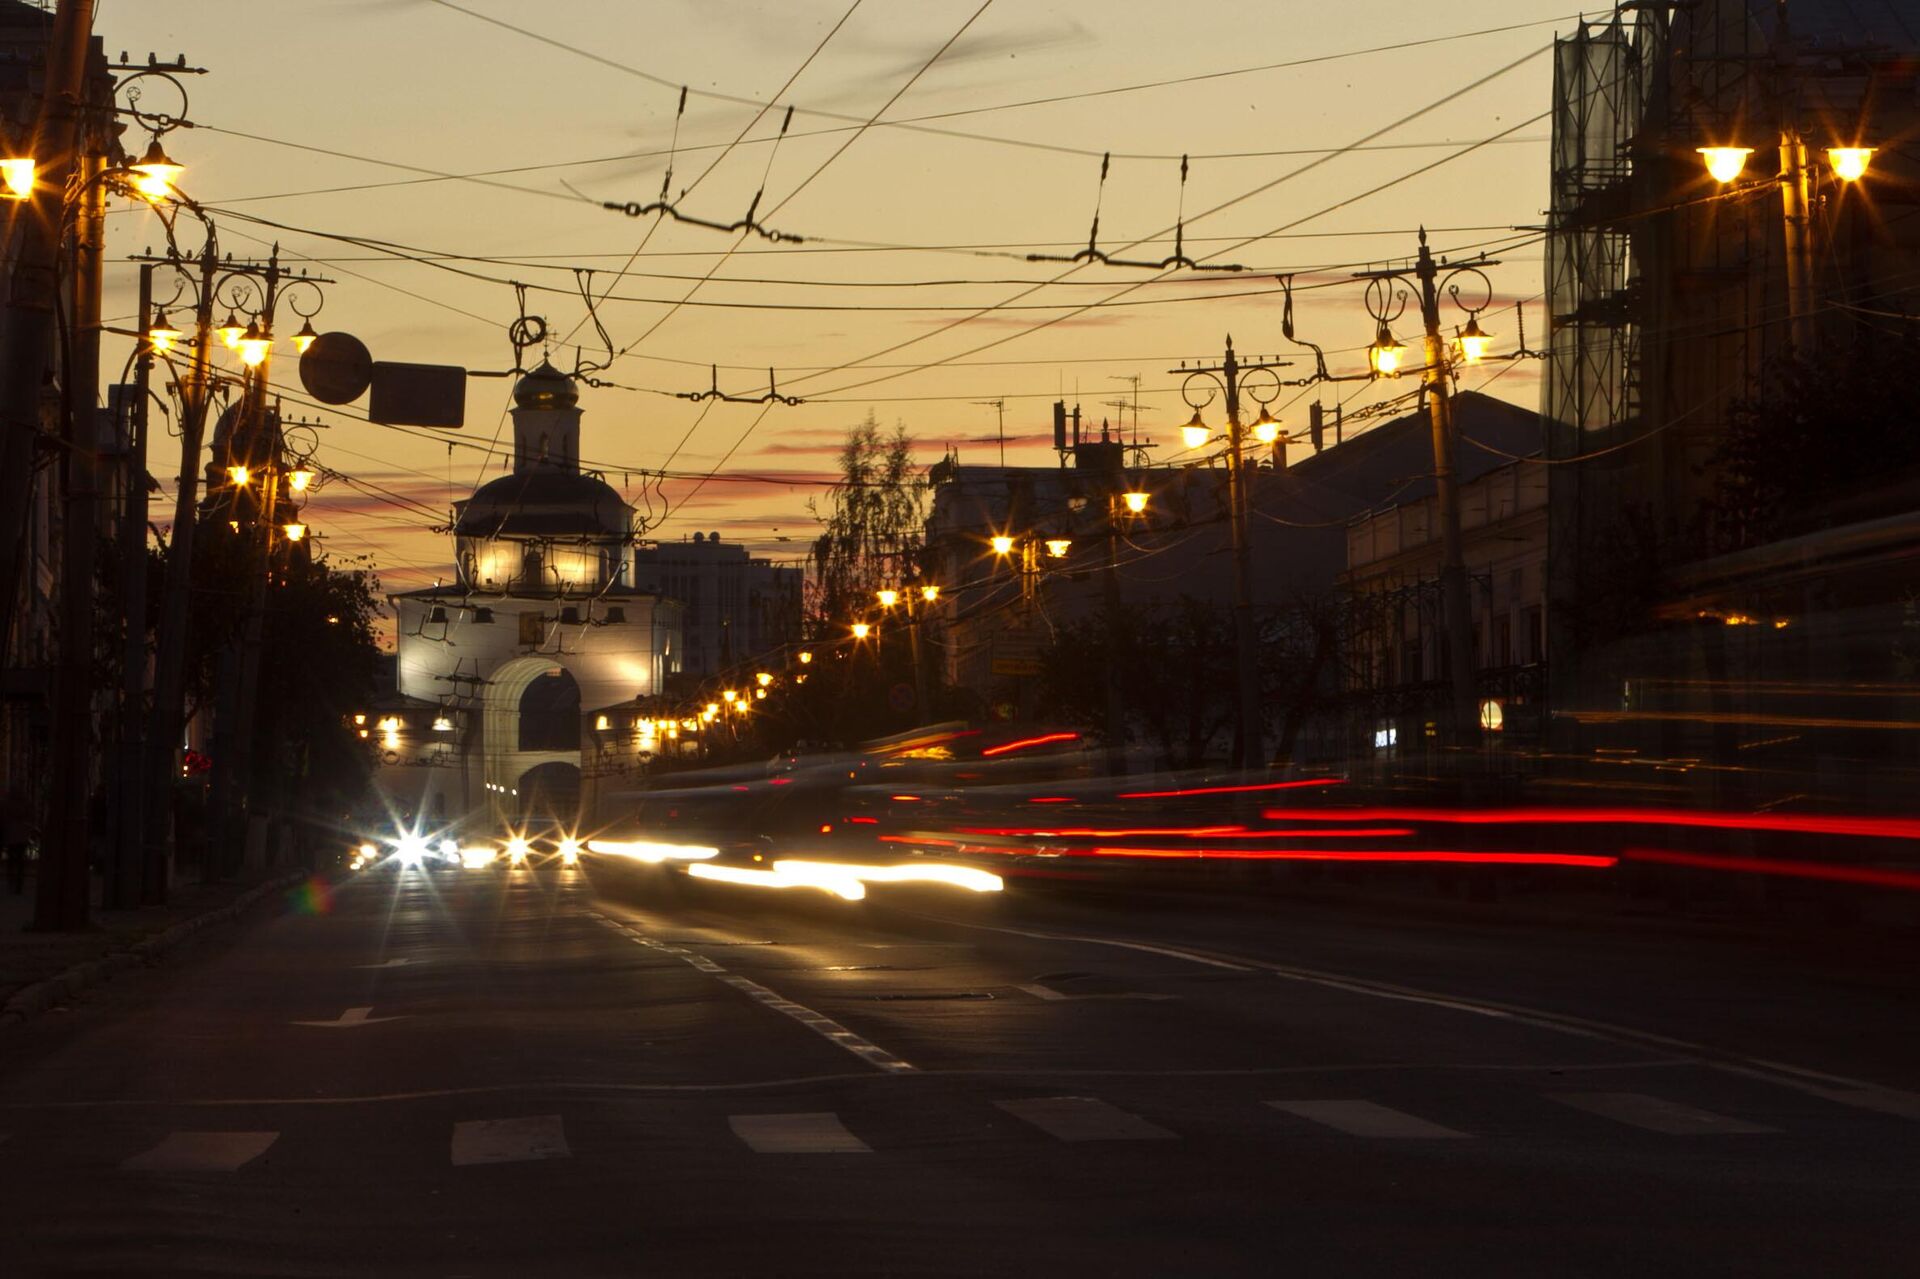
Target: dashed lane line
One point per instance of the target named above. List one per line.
(827, 1028)
(202, 1152)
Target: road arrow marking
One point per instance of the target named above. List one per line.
(351, 1017)
(391, 963)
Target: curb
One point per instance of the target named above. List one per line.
(34, 999)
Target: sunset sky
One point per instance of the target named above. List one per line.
(910, 295)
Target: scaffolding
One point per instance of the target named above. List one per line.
(1603, 76)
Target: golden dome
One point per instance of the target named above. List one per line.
(546, 388)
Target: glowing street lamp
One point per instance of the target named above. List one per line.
(1474, 341)
(805, 656)
(1265, 428)
(239, 475)
(1002, 546)
(162, 335)
(1849, 163)
(154, 173)
(1058, 547)
(1386, 352)
(294, 532)
(305, 338)
(929, 593)
(861, 630)
(1136, 503)
(728, 696)
(1196, 433)
(299, 479)
(231, 331)
(887, 598)
(16, 177)
(1724, 164)
(763, 679)
(254, 344)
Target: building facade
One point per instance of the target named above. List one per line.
(522, 682)
(736, 607)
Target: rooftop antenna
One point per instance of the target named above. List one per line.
(1001, 407)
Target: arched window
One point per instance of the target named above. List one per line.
(550, 713)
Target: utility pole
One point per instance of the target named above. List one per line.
(170, 655)
(1000, 406)
(1432, 278)
(1453, 565)
(125, 886)
(1250, 751)
(61, 900)
(1116, 715)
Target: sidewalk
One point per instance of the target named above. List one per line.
(39, 969)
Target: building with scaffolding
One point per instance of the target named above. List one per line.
(1677, 304)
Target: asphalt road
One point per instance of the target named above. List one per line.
(551, 1073)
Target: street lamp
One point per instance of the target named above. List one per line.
(887, 598)
(1196, 433)
(16, 178)
(155, 172)
(1265, 428)
(231, 330)
(763, 678)
(295, 531)
(1725, 163)
(1849, 164)
(299, 479)
(161, 335)
(1136, 503)
(861, 630)
(1386, 301)
(1386, 352)
(253, 346)
(239, 475)
(805, 656)
(306, 337)
(929, 593)
(1057, 547)
(1002, 545)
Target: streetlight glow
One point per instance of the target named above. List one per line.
(239, 475)
(728, 695)
(1058, 547)
(253, 346)
(1136, 502)
(154, 172)
(861, 630)
(299, 479)
(305, 338)
(764, 679)
(1195, 434)
(929, 593)
(294, 532)
(1265, 429)
(231, 330)
(1474, 341)
(162, 335)
(17, 177)
(1725, 163)
(887, 598)
(1002, 546)
(805, 656)
(1385, 352)
(1849, 163)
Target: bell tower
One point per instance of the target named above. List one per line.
(546, 422)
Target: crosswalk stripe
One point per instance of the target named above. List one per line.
(506, 1141)
(202, 1152)
(808, 1133)
(1082, 1119)
(1656, 1114)
(1365, 1119)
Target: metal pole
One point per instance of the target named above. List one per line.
(169, 672)
(1116, 717)
(63, 894)
(1246, 672)
(1795, 200)
(1453, 568)
(914, 615)
(124, 886)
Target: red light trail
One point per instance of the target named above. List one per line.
(1024, 743)
(1794, 823)
(1232, 790)
(1881, 876)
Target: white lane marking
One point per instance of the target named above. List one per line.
(1365, 1119)
(1047, 992)
(391, 963)
(349, 1018)
(505, 1141)
(1839, 1089)
(1656, 1114)
(1082, 1119)
(827, 1028)
(202, 1152)
(810, 1133)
